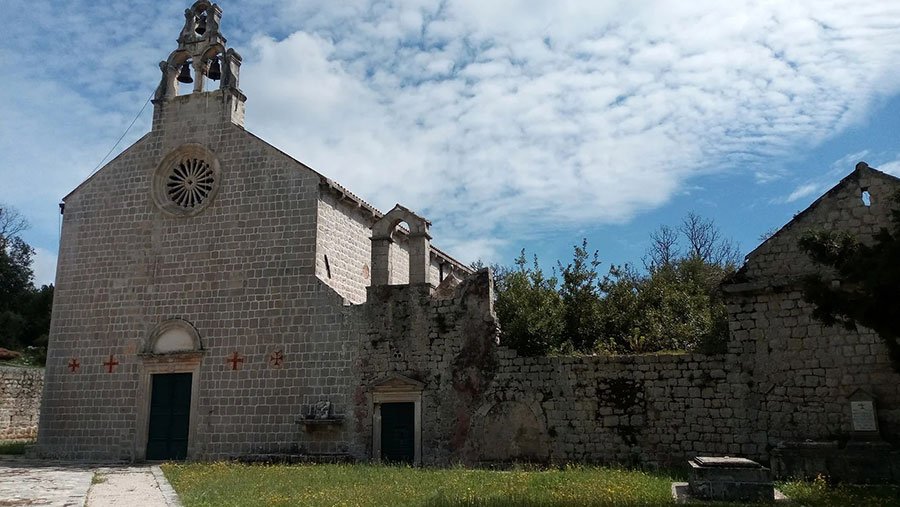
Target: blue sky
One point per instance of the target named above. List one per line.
(509, 124)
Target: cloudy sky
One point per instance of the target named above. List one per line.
(509, 124)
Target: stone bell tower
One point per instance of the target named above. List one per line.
(200, 59)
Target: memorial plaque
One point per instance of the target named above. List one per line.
(862, 416)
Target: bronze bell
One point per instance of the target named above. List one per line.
(215, 71)
(185, 75)
(201, 26)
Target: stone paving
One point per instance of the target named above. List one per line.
(26, 482)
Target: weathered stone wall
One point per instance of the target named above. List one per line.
(780, 258)
(20, 402)
(802, 373)
(344, 231)
(483, 403)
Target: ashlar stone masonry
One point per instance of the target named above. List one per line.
(218, 299)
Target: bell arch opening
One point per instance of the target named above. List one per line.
(419, 246)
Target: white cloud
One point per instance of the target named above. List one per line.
(497, 120)
(491, 115)
(804, 191)
(836, 171)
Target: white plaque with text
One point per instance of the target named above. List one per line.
(862, 414)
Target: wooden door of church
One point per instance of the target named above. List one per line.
(170, 410)
(398, 444)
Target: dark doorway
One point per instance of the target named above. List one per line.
(170, 413)
(398, 426)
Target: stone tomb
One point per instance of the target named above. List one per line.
(729, 479)
(865, 459)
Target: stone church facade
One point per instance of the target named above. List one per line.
(218, 299)
(202, 249)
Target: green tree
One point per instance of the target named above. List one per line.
(675, 305)
(580, 294)
(860, 284)
(529, 308)
(24, 310)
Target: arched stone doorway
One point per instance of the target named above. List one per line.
(167, 392)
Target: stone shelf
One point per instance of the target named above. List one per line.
(314, 424)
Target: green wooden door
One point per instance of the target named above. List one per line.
(170, 411)
(398, 424)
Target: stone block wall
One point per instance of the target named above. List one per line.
(344, 231)
(802, 373)
(482, 403)
(343, 236)
(20, 402)
(658, 409)
(780, 258)
(242, 272)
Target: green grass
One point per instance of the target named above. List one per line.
(13, 446)
(225, 484)
(819, 493)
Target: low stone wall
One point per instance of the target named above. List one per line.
(20, 402)
(481, 403)
(658, 409)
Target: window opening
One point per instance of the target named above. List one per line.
(866, 198)
(327, 267)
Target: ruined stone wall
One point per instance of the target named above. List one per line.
(780, 258)
(20, 402)
(802, 373)
(483, 403)
(344, 234)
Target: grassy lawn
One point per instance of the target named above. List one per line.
(13, 446)
(223, 484)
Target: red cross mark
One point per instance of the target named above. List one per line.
(74, 365)
(111, 364)
(276, 359)
(235, 360)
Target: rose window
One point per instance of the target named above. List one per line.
(190, 183)
(187, 180)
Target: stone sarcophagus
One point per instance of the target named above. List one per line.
(730, 479)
